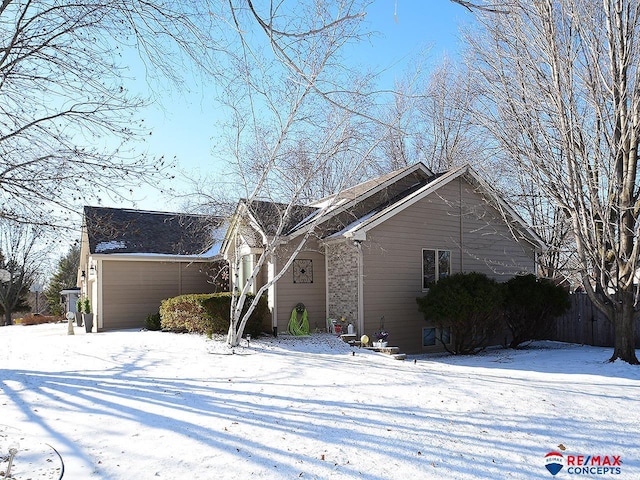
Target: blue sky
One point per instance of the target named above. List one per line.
(183, 123)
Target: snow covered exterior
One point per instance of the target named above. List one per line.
(375, 248)
(131, 260)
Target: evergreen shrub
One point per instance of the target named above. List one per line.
(208, 314)
(530, 306)
(468, 306)
(152, 322)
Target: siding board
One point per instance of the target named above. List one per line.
(454, 218)
(289, 294)
(131, 290)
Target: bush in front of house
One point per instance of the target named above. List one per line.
(152, 322)
(208, 314)
(468, 307)
(38, 319)
(530, 306)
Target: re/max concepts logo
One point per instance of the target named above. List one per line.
(583, 464)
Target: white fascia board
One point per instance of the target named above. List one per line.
(416, 196)
(407, 171)
(439, 182)
(344, 205)
(359, 236)
(154, 257)
(232, 229)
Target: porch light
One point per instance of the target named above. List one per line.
(83, 275)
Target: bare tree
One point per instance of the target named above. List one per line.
(451, 137)
(67, 115)
(20, 264)
(487, 7)
(562, 91)
(430, 119)
(297, 131)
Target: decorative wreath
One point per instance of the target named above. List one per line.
(299, 327)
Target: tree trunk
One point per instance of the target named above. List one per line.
(624, 324)
(7, 317)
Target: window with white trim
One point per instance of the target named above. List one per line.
(436, 264)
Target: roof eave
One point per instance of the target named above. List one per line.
(156, 256)
(465, 170)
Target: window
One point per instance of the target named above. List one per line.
(436, 264)
(245, 271)
(432, 336)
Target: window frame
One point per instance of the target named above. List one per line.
(437, 259)
(437, 333)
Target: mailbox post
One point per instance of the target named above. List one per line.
(70, 317)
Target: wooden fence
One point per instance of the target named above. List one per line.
(585, 324)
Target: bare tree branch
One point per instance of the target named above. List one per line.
(561, 81)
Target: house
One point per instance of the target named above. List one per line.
(371, 250)
(130, 260)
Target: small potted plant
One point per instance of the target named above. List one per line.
(87, 316)
(381, 337)
(79, 312)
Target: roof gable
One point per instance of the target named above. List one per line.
(351, 213)
(375, 217)
(416, 172)
(269, 215)
(127, 231)
(357, 202)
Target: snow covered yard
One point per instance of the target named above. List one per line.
(148, 405)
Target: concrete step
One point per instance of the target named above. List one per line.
(393, 352)
(348, 337)
(385, 350)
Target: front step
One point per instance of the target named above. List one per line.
(393, 352)
(385, 350)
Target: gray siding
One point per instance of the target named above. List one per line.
(289, 294)
(474, 232)
(131, 290)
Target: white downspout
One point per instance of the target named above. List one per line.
(271, 293)
(98, 312)
(326, 286)
(360, 288)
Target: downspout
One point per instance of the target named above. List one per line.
(271, 295)
(327, 291)
(360, 322)
(99, 296)
(461, 233)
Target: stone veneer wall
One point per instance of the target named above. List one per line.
(342, 281)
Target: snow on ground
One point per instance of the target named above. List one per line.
(146, 405)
